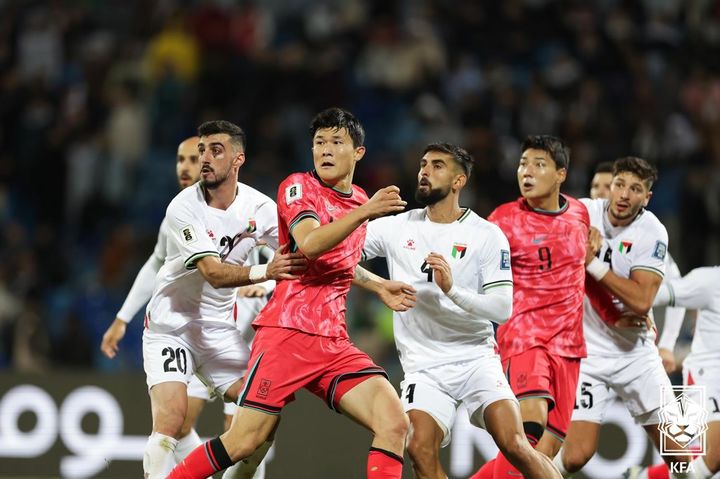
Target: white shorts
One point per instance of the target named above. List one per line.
(637, 380)
(439, 391)
(216, 353)
(705, 372)
(197, 389)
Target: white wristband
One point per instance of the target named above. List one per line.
(257, 273)
(597, 269)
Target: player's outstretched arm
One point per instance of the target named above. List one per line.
(139, 294)
(396, 295)
(313, 239)
(111, 338)
(284, 265)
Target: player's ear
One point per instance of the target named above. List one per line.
(359, 153)
(561, 175)
(239, 159)
(460, 181)
(647, 199)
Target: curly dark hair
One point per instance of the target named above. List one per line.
(637, 166)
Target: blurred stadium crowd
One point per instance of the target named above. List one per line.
(97, 94)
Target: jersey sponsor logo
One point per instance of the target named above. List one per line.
(504, 259)
(458, 250)
(409, 244)
(539, 239)
(293, 193)
(188, 234)
(625, 246)
(660, 250)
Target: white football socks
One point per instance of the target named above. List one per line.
(186, 444)
(159, 459)
(557, 460)
(251, 467)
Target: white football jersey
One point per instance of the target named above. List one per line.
(700, 289)
(641, 245)
(196, 230)
(436, 331)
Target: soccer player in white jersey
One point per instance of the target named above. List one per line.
(250, 301)
(700, 290)
(459, 264)
(620, 335)
(189, 324)
(600, 188)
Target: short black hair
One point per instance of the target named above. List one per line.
(460, 155)
(215, 127)
(637, 166)
(553, 146)
(604, 167)
(337, 119)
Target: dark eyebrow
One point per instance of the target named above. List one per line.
(437, 161)
(216, 143)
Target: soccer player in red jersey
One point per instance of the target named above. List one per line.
(542, 342)
(301, 339)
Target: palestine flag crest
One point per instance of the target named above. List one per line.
(625, 246)
(459, 250)
(252, 226)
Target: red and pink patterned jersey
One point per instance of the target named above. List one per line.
(547, 251)
(315, 303)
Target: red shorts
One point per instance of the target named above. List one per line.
(538, 373)
(284, 360)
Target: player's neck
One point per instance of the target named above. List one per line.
(445, 211)
(222, 196)
(550, 203)
(343, 184)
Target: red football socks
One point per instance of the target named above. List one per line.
(383, 464)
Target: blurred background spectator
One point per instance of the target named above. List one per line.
(96, 95)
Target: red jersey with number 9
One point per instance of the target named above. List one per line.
(547, 251)
(315, 303)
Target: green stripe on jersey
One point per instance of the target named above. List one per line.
(495, 284)
(648, 268)
(464, 215)
(190, 262)
(302, 217)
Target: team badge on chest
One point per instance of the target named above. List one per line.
(625, 246)
(458, 250)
